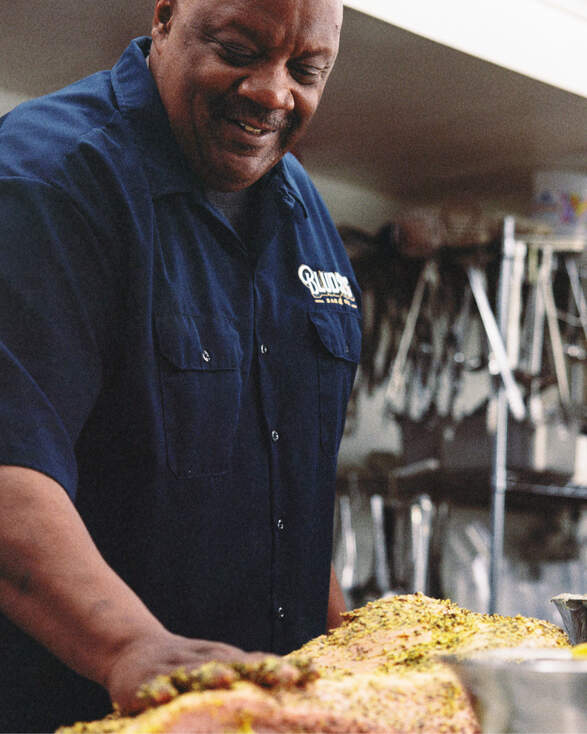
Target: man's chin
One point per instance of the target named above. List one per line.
(233, 172)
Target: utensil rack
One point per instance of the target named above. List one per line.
(508, 317)
(524, 293)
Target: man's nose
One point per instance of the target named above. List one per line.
(269, 86)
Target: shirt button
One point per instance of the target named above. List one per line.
(274, 436)
(280, 524)
(287, 199)
(264, 348)
(206, 355)
(280, 613)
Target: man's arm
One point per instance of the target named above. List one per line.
(336, 602)
(56, 586)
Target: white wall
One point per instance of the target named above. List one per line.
(352, 205)
(9, 99)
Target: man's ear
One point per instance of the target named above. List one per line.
(162, 18)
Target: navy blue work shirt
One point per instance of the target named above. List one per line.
(189, 396)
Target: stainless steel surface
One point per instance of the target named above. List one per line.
(573, 610)
(526, 690)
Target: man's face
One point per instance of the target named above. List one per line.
(241, 79)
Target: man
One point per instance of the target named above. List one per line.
(179, 334)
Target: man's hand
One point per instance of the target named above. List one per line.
(336, 602)
(142, 661)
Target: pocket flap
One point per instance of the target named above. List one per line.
(191, 342)
(339, 332)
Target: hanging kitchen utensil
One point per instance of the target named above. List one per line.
(556, 343)
(456, 356)
(513, 394)
(395, 391)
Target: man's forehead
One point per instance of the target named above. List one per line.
(325, 10)
(306, 27)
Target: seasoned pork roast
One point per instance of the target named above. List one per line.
(379, 672)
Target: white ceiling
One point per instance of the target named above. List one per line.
(402, 114)
(409, 115)
(543, 39)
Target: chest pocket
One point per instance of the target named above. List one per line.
(201, 385)
(339, 336)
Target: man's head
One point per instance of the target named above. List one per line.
(241, 79)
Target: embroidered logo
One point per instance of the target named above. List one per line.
(327, 287)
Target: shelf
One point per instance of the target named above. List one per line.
(550, 48)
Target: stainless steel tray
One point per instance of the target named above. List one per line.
(525, 690)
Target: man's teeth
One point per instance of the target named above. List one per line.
(251, 129)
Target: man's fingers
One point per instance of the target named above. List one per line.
(260, 669)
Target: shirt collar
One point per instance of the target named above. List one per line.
(283, 169)
(140, 104)
(165, 165)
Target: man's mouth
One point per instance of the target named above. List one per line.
(251, 128)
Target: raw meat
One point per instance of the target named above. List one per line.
(379, 672)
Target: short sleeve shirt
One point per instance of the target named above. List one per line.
(188, 397)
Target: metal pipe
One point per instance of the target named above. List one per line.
(421, 513)
(499, 457)
(382, 575)
(349, 569)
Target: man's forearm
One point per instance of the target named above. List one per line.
(56, 586)
(53, 582)
(336, 602)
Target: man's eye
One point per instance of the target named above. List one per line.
(236, 55)
(306, 74)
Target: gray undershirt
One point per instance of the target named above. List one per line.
(235, 205)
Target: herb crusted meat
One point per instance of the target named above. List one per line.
(379, 672)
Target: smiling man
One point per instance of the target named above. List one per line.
(179, 333)
(240, 87)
